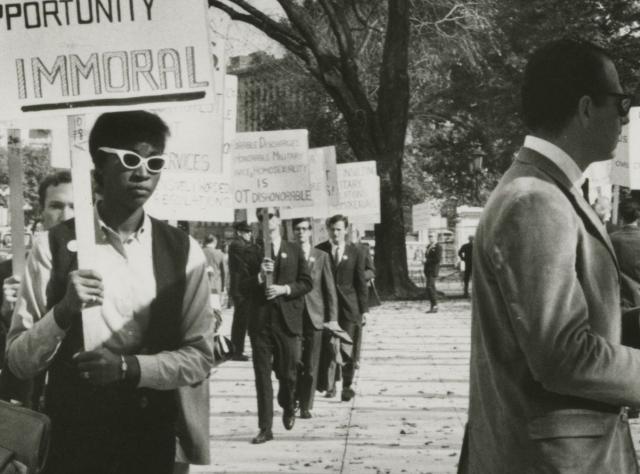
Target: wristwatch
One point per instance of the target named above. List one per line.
(123, 367)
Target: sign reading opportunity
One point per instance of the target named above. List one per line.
(78, 54)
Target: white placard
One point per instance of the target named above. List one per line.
(324, 185)
(620, 162)
(230, 117)
(359, 192)
(271, 169)
(71, 57)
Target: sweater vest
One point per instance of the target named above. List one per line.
(70, 400)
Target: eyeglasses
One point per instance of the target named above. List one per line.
(623, 102)
(131, 160)
(300, 229)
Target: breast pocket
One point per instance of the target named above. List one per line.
(570, 442)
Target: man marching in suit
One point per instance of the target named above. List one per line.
(320, 306)
(275, 326)
(349, 274)
(550, 378)
(432, 259)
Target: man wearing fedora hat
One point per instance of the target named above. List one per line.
(241, 252)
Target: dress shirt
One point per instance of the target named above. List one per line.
(558, 156)
(306, 248)
(126, 267)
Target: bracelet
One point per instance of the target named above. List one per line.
(123, 367)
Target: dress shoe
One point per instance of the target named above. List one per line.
(330, 393)
(434, 309)
(289, 419)
(347, 394)
(305, 413)
(240, 357)
(262, 437)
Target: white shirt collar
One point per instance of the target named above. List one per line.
(558, 156)
(102, 228)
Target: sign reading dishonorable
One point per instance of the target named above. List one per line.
(69, 56)
(271, 169)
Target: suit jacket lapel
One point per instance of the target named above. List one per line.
(579, 203)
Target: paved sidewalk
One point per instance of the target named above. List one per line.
(408, 415)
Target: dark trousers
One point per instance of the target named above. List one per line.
(105, 450)
(432, 294)
(357, 343)
(274, 347)
(351, 328)
(308, 369)
(467, 277)
(239, 325)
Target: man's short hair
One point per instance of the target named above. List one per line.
(297, 221)
(124, 130)
(557, 75)
(210, 239)
(337, 218)
(53, 179)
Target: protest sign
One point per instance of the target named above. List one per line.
(324, 185)
(359, 192)
(230, 116)
(620, 164)
(62, 57)
(271, 169)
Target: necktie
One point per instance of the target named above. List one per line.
(336, 255)
(273, 252)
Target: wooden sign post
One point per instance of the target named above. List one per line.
(16, 202)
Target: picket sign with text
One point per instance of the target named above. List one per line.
(75, 60)
(271, 169)
(359, 191)
(323, 177)
(16, 200)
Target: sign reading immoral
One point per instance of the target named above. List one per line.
(67, 56)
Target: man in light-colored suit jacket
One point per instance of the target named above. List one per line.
(549, 375)
(320, 306)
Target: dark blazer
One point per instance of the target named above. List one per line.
(433, 257)
(321, 301)
(548, 372)
(626, 243)
(290, 269)
(242, 255)
(350, 281)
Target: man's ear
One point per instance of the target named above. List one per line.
(98, 179)
(585, 110)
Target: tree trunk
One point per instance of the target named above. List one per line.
(392, 273)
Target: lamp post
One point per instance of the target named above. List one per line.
(475, 166)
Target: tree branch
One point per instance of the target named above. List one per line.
(271, 28)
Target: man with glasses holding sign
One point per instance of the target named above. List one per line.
(119, 409)
(550, 378)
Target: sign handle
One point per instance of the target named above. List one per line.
(616, 204)
(83, 211)
(16, 201)
(266, 240)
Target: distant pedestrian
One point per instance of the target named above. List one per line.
(466, 255)
(626, 243)
(432, 259)
(242, 251)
